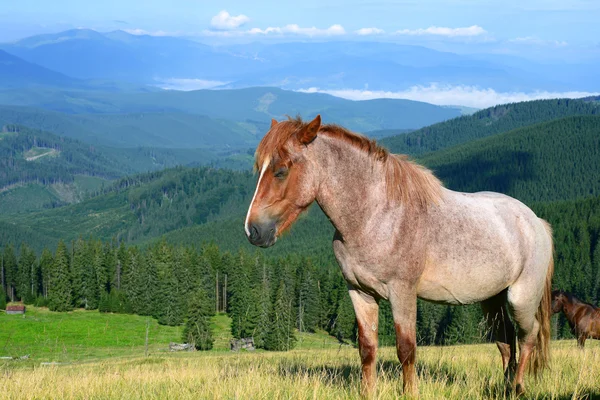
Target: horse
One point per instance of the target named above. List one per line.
(399, 235)
(584, 318)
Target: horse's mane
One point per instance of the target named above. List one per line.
(411, 184)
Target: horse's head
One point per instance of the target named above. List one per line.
(558, 299)
(286, 184)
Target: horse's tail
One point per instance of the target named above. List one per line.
(540, 358)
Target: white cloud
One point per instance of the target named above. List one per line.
(532, 40)
(139, 32)
(292, 29)
(224, 21)
(295, 29)
(474, 30)
(469, 96)
(369, 31)
(185, 84)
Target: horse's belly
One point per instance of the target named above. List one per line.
(463, 286)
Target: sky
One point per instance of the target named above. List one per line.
(549, 23)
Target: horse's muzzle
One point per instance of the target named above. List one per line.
(262, 235)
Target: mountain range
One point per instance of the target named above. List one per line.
(166, 61)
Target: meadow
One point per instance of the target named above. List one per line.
(102, 356)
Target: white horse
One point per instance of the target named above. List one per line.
(401, 235)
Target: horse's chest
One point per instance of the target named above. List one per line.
(360, 270)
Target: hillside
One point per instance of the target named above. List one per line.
(530, 164)
(242, 107)
(39, 169)
(142, 128)
(222, 121)
(488, 122)
(556, 160)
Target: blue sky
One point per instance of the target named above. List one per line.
(533, 22)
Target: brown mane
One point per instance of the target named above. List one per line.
(410, 183)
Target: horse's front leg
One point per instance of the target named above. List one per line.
(367, 317)
(403, 300)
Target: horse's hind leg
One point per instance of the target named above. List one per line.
(503, 330)
(523, 302)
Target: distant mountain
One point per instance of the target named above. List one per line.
(18, 73)
(87, 54)
(488, 122)
(119, 56)
(212, 119)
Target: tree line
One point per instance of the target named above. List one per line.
(268, 299)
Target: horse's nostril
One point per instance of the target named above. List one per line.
(253, 233)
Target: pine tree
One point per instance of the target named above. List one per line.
(197, 329)
(282, 335)
(59, 283)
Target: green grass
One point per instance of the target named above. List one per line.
(102, 356)
(80, 335)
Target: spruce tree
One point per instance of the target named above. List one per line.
(344, 327)
(2, 298)
(89, 291)
(59, 283)
(169, 309)
(243, 305)
(197, 330)
(9, 261)
(78, 265)
(26, 279)
(282, 335)
(308, 298)
(46, 262)
(263, 297)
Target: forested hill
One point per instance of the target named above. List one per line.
(28, 155)
(488, 122)
(559, 160)
(39, 169)
(556, 160)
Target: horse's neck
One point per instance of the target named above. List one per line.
(569, 305)
(352, 192)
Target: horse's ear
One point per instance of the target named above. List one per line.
(273, 122)
(309, 133)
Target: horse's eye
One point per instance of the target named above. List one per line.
(281, 173)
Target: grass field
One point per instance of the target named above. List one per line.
(104, 358)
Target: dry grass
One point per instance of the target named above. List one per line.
(461, 372)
